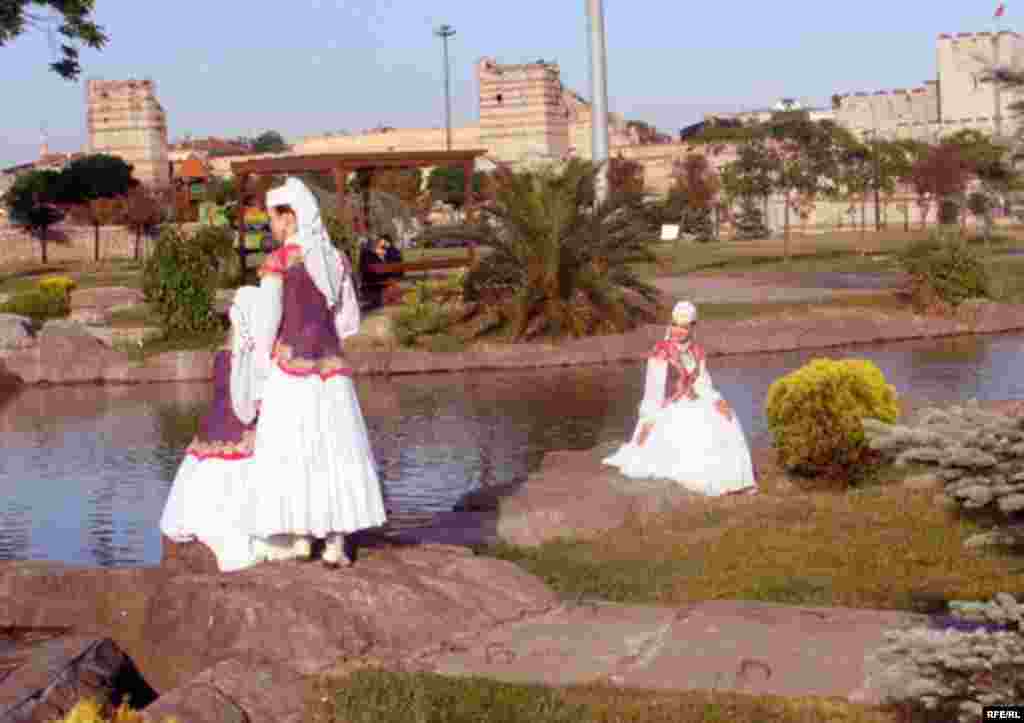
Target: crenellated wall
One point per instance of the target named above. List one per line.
(960, 96)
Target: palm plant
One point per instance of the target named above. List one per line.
(563, 262)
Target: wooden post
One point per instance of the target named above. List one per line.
(467, 188)
(340, 174)
(242, 178)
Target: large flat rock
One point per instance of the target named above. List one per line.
(393, 601)
(749, 647)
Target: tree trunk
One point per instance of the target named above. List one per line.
(785, 225)
(906, 216)
(863, 216)
(96, 242)
(42, 244)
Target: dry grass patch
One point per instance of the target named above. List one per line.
(380, 696)
(878, 546)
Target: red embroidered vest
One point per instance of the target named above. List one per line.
(678, 381)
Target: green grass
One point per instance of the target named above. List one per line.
(208, 341)
(87, 276)
(838, 251)
(373, 695)
(878, 546)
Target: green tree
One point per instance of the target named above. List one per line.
(751, 177)
(95, 176)
(448, 184)
(74, 22)
(560, 265)
(31, 204)
(808, 160)
(855, 175)
(270, 142)
(990, 162)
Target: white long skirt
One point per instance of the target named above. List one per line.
(315, 473)
(205, 504)
(693, 444)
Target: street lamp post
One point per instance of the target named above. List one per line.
(444, 32)
(599, 95)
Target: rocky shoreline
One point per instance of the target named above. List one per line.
(67, 352)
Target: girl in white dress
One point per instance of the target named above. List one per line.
(316, 475)
(687, 432)
(204, 502)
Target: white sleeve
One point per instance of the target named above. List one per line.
(654, 389)
(269, 321)
(704, 386)
(346, 315)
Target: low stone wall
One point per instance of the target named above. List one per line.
(66, 353)
(67, 243)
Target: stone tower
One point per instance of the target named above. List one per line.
(522, 111)
(964, 96)
(125, 119)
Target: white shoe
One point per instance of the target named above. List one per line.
(302, 547)
(259, 550)
(334, 552)
(279, 547)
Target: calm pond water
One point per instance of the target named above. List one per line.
(85, 470)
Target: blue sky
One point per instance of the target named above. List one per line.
(230, 68)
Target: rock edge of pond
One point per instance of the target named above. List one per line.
(65, 352)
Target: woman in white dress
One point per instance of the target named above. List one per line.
(687, 432)
(316, 475)
(205, 499)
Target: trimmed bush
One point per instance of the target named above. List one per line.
(815, 414)
(58, 284)
(943, 269)
(40, 304)
(180, 280)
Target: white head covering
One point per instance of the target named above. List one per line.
(245, 391)
(325, 265)
(684, 313)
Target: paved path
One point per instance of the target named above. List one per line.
(749, 647)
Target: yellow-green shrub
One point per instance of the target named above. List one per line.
(89, 711)
(39, 304)
(815, 414)
(57, 284)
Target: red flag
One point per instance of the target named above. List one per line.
(1000, 10)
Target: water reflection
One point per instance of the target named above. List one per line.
(85, 470)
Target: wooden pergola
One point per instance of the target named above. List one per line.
(342, 164)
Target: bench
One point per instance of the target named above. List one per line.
(389, 287)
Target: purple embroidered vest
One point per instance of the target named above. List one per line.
(221, 433)
(307, 341)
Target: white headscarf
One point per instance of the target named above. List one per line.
(684, 313)
(245, 387)
(325, 265)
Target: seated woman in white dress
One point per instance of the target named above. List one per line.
(687, 432)
(206, 497)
